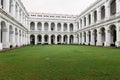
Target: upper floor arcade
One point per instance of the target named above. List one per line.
(52, 26)
(100, 11)
(52, 22)
(15, 9)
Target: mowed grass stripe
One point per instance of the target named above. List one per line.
(56, 62)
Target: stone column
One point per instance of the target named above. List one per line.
(98, 14)
(42, 39)
(0, 30)
(35, 39)
(75, 39)
(56, 27)
(87, 38)
(118, 7)
(87, 20)
(107, 35)
(42, 26)
(92, 38)
(1, 47)
(99, 37)
(21, 38)
(80, 38)
(13, 37)
(49, 26)
(18, 12)
(62, 27)
(55, 39)
(18, 38)
(7, 3)
(68, 27)
(107, 8)
(117, 43)
(49, 39)
(61, 39)
(92, 18)
(83, 38)
(7, 43)
(0, 4)
(68, 39)
(35, 26)
(83, 23)
(13, 12)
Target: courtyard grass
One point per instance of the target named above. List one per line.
(55, 62)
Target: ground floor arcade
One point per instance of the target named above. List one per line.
(11, 35)
(102, 36)
(52, 39)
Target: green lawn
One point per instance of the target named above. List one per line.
(60, 63)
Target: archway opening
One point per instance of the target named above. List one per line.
(58, 27)
(65, 27)
(46, 26)
(95, 36)
(52, 27)
(46, 37)
(39, 26)
(103, 12)
(113, 7)
(59, 39)
(53, 39)
(71, 39)
(11, 34)
(39, 39)
(103, 36)
(65, 39)
(113, 35)
(89, 35)
(32, 26)
(3, 32)
(32, 39)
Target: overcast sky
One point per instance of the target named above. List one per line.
(57, 6)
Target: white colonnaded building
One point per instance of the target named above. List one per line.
(98, 25)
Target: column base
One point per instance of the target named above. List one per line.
(18, 45)
(117, 43)
(92, 43)
(6, 45)
(13, 45)
(99, 43)
(1, 47)
(107, 44)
